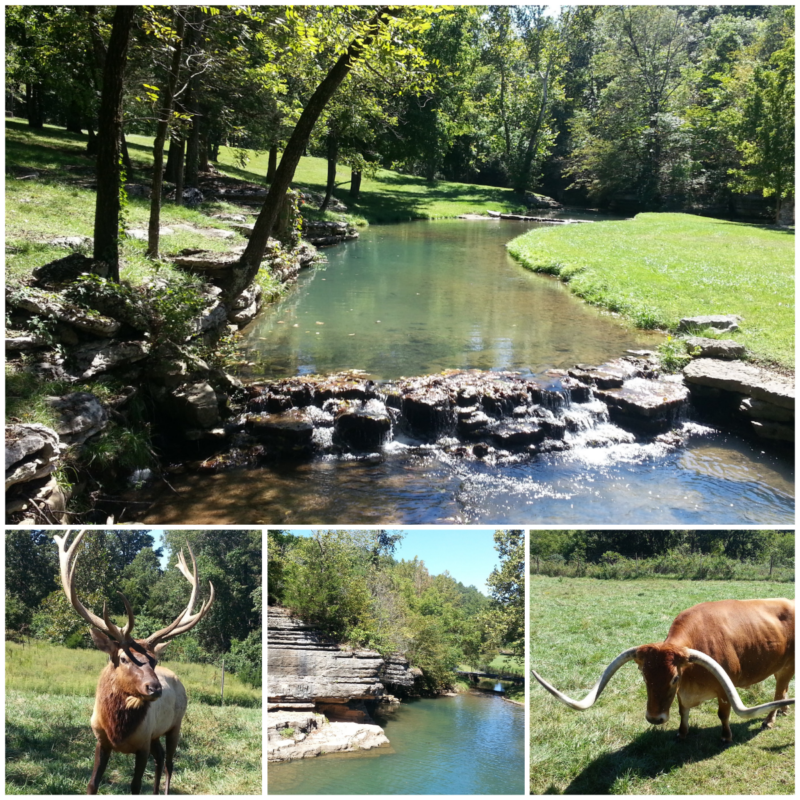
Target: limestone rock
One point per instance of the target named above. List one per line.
(70, 242)
(290, 433)
(767, 412)
(68, 269)
(645, 404)
(363, 426)
(32, 452)
(80, 416)
(715, 348)
(141, 235)
(47, 304)
(719, 322)
(246, 305)
(293, 735)
(398, 672)
(195, 405)
(746, 379)
(16, 340)
(303, 666)
(95, 358)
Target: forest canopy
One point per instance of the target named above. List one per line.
(350, 585)
(128, 561)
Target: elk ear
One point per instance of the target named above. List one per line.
(159, 649)
(104, 643)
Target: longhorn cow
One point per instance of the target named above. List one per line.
(711, 649)
(136, 702)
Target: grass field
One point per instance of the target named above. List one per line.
(50, 746)
(578, 626)
(658, 268)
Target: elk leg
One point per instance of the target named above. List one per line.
(138, 770)
(172, 745)
(101, 756)
(782, 679)
(683, 728)
(157, 751)
(724, 714)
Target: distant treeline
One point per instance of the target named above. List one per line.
(687, 555)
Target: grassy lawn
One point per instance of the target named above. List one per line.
(50, 746)
(658, 268)
(578, 626)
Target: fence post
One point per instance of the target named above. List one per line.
(222, 691)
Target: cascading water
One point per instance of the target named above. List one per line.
(498, 687)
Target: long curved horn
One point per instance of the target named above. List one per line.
(714, 667)
(581, 705)
(185, 620)
(67, 566)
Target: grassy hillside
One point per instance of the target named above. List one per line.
(658, 268)
(50, 746)
(578, 626)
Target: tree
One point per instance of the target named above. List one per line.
(107, 205)
(763, 132)
(505, 621)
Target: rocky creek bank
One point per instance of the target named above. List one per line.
(318, 692)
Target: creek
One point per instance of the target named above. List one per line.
(416, 298)
(468, 744)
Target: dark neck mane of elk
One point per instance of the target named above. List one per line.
(136, 702)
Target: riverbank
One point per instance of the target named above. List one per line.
(659, 268)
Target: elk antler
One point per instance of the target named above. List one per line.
(67, 565)
(185, 621)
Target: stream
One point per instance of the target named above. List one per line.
(417, 298)
(468, 744)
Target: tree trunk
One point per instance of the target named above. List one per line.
(272, 166)
(333, 155)
(355, 184)
(173, 158)
(193, 149)
(107, 205)
(33, 101)
(126, 158)
(74, 118)
(179, 183)
(203, 160)
(91, 143)
(161, 134)
(533, 139)
(243, 273)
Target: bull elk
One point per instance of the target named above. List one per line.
(136, 702)
(711, 649)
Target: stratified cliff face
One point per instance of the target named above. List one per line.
(397, 671)
(303, 667)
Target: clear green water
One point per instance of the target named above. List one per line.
(419, 297)
(469, 744)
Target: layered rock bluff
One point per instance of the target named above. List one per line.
(316, 690)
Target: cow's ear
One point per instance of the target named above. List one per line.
(681, 658)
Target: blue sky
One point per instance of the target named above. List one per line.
(469, 556)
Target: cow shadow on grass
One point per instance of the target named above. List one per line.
(657, 752)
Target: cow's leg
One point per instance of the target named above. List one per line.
(782, 679)
(138, 770)
(157, 751)
(724, 714)
(101, 756)
(172, 745)
(683, 729)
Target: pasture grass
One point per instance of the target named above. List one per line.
(50, 746)
(578, 625)
(657, 268)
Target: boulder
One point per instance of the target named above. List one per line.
(195, 405)
(171, 365)
(362, 426)
(719, 322)
(289, 433)
(703, 347)
(24, 341)
(141, 235)
(648, 405)
(746, 379)
(48, 304)
(96, 358)
(428, 412)
(32, 452)
(397, 671)
(70, 242)
(63, 271)
(80, 416)
(246, 305)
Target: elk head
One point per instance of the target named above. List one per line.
(132, 661)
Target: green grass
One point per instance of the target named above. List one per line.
(658, 268)
(50, 746)
(578, 626)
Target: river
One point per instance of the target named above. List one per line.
(416, 298)
(469, 744)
